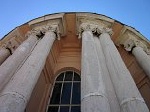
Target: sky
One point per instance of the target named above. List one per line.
(135, 13)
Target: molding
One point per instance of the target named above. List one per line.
(95, 16)
(94, 28)
(46, 18)
(130, 38)
(58, 19)
(43, 29)
(129, 41)
(128, 30)
(99, 20)
(54, 28)
(11, 44)
(33, 32)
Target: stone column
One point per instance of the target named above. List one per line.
(11, 64)
(17, 93)
(4, 54)
(93, 94)
(140, 51)
(114, 104)
(128, 95)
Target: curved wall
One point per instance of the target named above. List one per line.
(66, 52)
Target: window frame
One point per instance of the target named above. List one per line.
(63, 81)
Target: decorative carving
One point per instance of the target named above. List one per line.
(93, 27)
(9, 46)
(53, 28)
(40, 31)
(34, 32)
(130, 43)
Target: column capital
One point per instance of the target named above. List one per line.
(94, 28)
(130, 43)
(9, 47)
(33, 32)
(52, 28)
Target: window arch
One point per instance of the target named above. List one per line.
(65, 96)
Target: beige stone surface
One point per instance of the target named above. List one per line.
(93, 92)
(4, 54)
(143, 59)
(9, 67)
(111, 95)
(127, 93)
(66, 55)
(19, 88)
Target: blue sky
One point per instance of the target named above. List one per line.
(135, 13)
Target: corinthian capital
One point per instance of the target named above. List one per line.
(130, 43)
(53, 28)
(94, 28)
(33, 32)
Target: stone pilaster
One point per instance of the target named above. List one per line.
(127, 93)
(11, 64)
(16, 94)
(4, 54)
(140, 51)
(93, 94)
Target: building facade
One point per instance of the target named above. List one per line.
(74, 62)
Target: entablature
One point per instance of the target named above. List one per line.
(95, 23)
(84, 20)
(130, 38)
(55, 19)
(12, 40)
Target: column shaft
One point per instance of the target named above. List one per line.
(114, 104)
(4, 54)
(93, 96)
(16, 94)
(128, 95)
(143, 59)
(8, 68)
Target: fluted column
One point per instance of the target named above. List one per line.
(128, 95)
(9, 67)
(16, 94)
(139, 50)
(93, 94)
(4, 54)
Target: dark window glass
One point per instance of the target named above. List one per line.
(53, 109)
(76, 77)
(56, 94)
(60, 77)
(76, 93)
(75, 109)
(64, 109)
(68, 76)
(66, 93)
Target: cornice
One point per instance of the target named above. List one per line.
(130, 43)
(54, 27)
(81, 17)
(129, 38)
(11, 44)
(11, 41)
(58, 19)
(95, 16)
(99, 20)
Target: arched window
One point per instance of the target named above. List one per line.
(66, 93)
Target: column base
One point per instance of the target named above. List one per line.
(12, 102)
(134, 105)
(95, 104)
